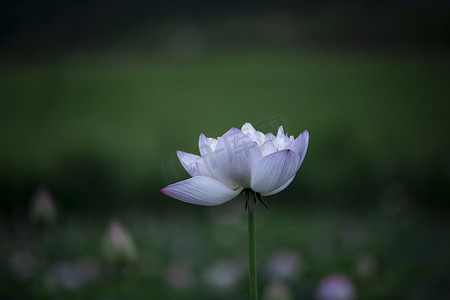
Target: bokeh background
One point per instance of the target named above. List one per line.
(97, 96)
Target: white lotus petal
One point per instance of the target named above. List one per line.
(300, 145)
(248, 128)
(189, 162)
(280, 139)
(234, 156)
(212, 143)
(280, 132)
(193, 164)
(274, 170)
(271, 137)
(203, 145)
(202, 169)
(207, 154)
(253, 134)
(280, 188)
(260, 138)
(268, 148)
(201, 190)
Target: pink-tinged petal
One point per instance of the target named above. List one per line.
(280, 188)
(234, 157)
(201, 190)
(272, 171)
(300, 145)
(189, 162)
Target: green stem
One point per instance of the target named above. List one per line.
(251, 255)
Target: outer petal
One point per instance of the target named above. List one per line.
(234, 156)
(280, 188)
(201, 190)
(272, 171)
(300, 145)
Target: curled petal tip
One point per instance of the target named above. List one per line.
(163, 191)
(280, 130)
(305, 134)
(247, 127)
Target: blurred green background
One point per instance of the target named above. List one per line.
(96, 97)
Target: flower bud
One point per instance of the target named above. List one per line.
(118, 244)
(42, 207)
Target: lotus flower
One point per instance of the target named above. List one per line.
(246, 159)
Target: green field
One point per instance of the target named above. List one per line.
(101, 129)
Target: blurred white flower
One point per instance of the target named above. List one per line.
(223, 274)
(67, 275)
(42, 206)
(239, 159)
(335, 287)
(73, 275)
(284, 265)
(23, 264)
